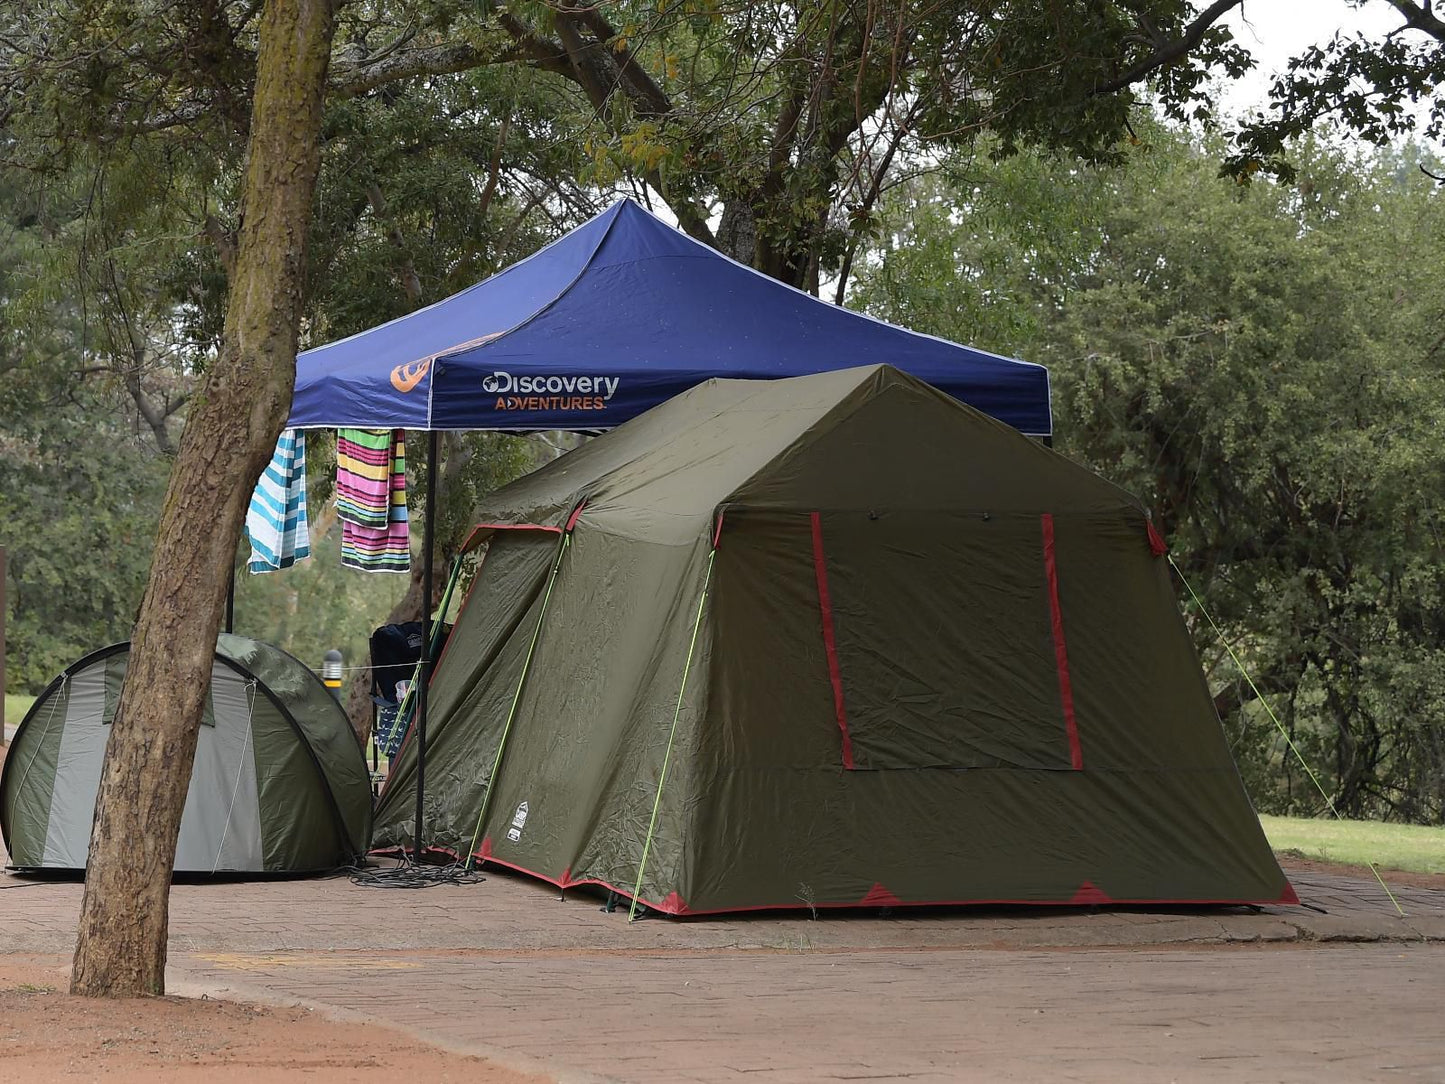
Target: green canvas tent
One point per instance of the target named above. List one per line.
(279, 784)
(836, 640)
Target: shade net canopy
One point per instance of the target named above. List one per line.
(621, 314)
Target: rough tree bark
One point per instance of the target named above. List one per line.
(229, 435)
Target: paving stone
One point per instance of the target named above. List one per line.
(1296, 1013)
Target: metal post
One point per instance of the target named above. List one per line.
(231, 601)
(433, 464)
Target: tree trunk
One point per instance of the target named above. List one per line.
(229, 435)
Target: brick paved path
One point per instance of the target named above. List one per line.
(1347, 1013)
(505, 969)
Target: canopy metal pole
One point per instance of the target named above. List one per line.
(424, 669)
(231, 600)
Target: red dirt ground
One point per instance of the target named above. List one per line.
(48, 1037)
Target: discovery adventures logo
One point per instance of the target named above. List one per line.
(550, 392)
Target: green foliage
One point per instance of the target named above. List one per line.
(427, 190)
(79, 487)
(79, 501)
(316, 605)
(792, 116)
(1261, 366)
(982, 250)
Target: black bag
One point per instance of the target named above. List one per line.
(395, 651)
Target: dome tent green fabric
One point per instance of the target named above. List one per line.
(830, 641)
(279, 783)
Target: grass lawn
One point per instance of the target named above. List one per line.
(1391, 846)
(15, 708)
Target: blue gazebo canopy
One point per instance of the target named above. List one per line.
(613, 318)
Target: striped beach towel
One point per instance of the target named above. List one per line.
(276, 520)
(371, 499)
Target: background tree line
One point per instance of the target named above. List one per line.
(1262, 365)
(1259, 362)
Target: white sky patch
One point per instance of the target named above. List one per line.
(1277, 30)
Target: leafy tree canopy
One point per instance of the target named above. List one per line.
(1262, 367)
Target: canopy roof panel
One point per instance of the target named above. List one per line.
(615, 317)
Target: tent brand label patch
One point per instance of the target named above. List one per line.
(519, 818)
(519, 821)
(550, 392)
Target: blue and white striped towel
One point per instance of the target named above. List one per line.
(276, 521)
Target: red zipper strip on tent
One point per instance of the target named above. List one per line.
(1061, 653)
(825, 604)
(1157, 545)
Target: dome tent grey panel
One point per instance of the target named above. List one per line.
(279, 783)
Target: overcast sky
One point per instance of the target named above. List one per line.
(1275, 30)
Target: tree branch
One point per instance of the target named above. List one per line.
(870, 197)
(544, 54)
(354, 80)
(1420, 17)
(648, 98)
(1169, 52)
(225, 242)
(494, 169)
(595, 67)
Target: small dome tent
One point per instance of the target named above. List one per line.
(279, 784)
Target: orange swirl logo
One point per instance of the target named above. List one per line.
(406, 377)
